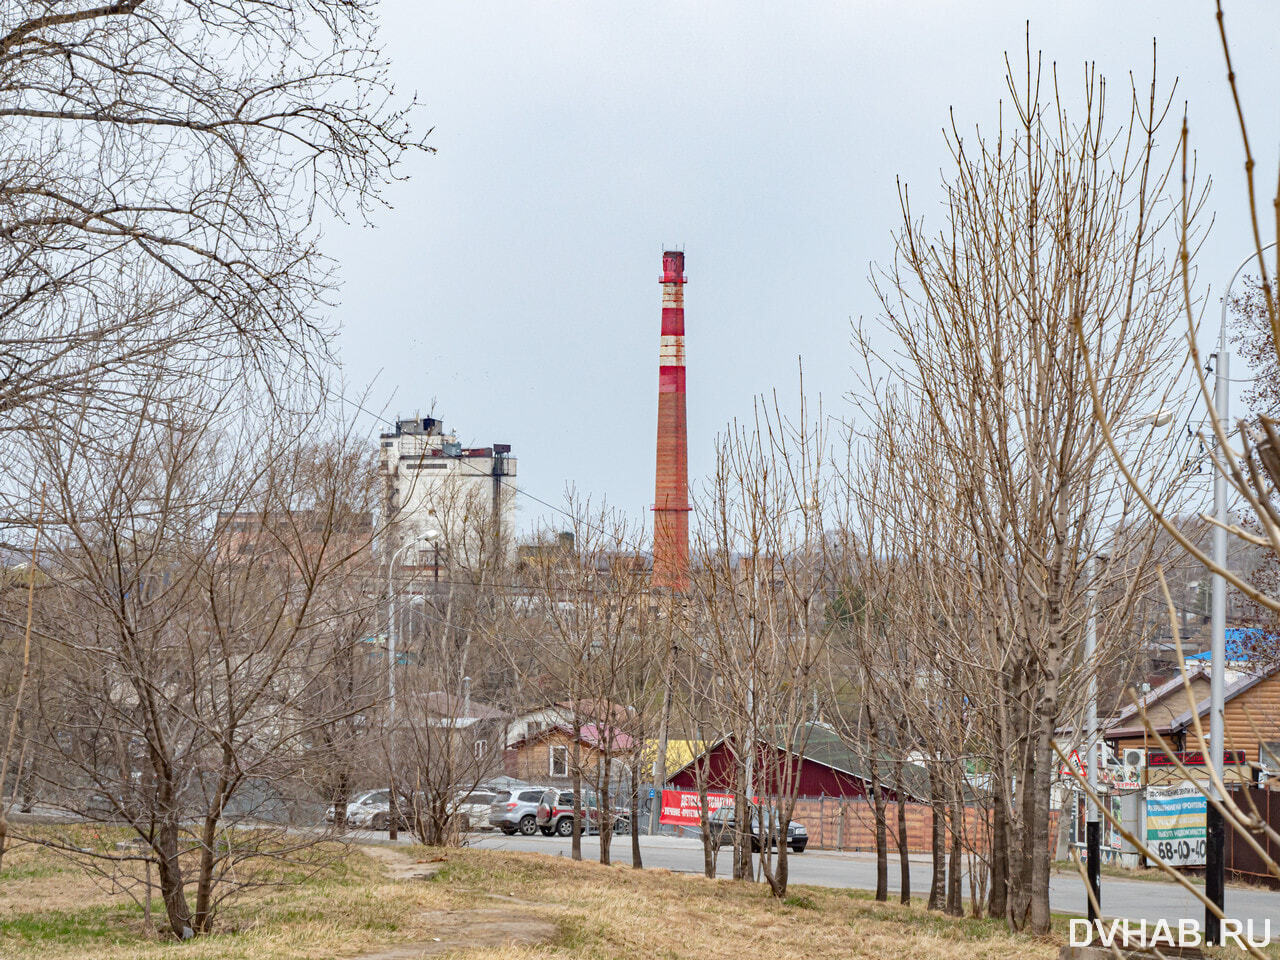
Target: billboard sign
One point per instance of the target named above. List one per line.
(683, 808)
(1176, 819)
(1192, 758)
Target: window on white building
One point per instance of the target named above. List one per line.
(481, 748)
(558, 765)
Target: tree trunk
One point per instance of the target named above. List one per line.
(937, 881)
(204, 879)
(1018, 818)
(1038, 832)
(742, 835)
(904, 860)
(341, 792)
(604, 810)
(882, 839)
(878, 806)
(777, 877)
(636, 862)
(171, 885)
(1041, 755)
(576, 843)
(955, 903)
(208, 838)
(998, 903)
(704, 823)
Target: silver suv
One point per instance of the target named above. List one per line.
(516, 810)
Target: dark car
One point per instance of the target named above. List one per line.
(724, 824)
(555, 814)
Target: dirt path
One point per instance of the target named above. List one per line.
(455, 929)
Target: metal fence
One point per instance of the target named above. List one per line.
(1242, 860)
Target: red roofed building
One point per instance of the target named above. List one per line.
(826, 767)
(547, 756)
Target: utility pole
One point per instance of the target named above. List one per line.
(1093, 746)
(393, 807)
(1215, 843)
(393, 811)
(660, 758)
(1214, 873)
(1093, 828)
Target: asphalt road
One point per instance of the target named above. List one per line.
(1135, 899)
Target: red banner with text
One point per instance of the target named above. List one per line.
(682, 807)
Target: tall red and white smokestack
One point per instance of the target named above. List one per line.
(671, 494)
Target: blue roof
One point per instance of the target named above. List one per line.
(1242, 644)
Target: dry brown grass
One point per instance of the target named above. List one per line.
(50, 910)
(609, 912)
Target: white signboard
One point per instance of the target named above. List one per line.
(1176, 819)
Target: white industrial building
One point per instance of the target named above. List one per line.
(448, 506)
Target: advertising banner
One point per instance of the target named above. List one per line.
(1176, 818)
(683, 808)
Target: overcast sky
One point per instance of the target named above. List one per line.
(515, 282)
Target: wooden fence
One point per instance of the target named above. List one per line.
(836, 823)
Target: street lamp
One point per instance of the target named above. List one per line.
(1214, 885)
(1093, 825)
(393, 812)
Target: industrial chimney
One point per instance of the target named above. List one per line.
(671, 495)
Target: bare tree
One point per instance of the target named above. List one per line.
(1244, 455)
(697, 709)
(163, 165)
(762, 582)
(19, 690)
(1056, 235)
(343, 684)
(596, 655)
(188, 559)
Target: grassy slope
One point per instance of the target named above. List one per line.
(48, 909)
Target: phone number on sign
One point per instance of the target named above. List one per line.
(1173, 851)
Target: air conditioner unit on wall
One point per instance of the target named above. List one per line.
(1134, 757)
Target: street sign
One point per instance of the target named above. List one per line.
(1073, 766)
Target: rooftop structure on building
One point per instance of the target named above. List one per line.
(447, 505)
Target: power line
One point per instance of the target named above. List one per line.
(517, 488)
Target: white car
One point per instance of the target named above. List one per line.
(372, 810)
(473, 809)
(363, 807)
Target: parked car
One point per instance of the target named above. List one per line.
(516, 810)
(360, 807)
(555, 814)
(724, 824)
(376, 815)
(473, 809)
